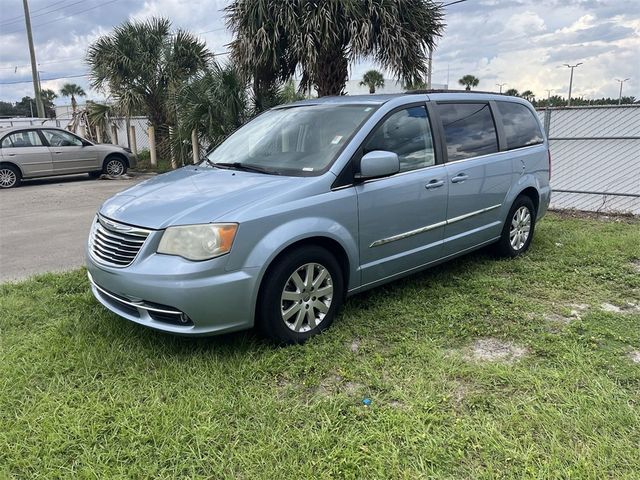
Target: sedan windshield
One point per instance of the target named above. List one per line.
(301, 140)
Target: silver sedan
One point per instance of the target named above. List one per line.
(31, 152)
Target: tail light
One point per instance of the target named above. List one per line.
(549, 155)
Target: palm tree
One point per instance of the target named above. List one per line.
(273, 39)
(512, 92)
(528, 94)
(373, 79)
(214, 103)
(142, 64)
(469, 81)
(72, 90)
(48, 96)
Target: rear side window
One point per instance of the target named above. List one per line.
(22, 139)
(469, 130)
(520, 126)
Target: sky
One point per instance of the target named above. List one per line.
(521, 43)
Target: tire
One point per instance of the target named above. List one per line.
(518, 229)
(10, 176)
(288, 311)
(114, 166)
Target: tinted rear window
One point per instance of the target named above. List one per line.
(520, 126)
(469, 130)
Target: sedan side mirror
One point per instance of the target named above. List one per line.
(378, 163)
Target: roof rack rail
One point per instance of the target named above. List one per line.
(409, 92)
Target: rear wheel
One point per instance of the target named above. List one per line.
(114, 166)
(301, 295)
(9, 176)
(517, 232)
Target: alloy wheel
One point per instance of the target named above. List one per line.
(115, 168)
(8, 178)
(306, 297)
(520, 228)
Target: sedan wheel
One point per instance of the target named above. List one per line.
(114, 167)
(8, 177)
(306, 297)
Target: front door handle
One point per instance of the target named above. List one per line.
(461, 177)
(434, 184)
(58, 151)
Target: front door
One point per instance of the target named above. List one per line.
(25, 149)
(402, 217)
(479, 175)
(69, 153)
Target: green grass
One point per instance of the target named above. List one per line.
(86, 394)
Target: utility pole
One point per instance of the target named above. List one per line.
(620, 96)
(34, 65)
(430, 65)
(500, 85)
(571, 80)
(549, 97)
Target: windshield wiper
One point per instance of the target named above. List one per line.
(247, 167)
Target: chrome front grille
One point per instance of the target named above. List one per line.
(115, 244)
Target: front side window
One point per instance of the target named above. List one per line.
(27, 138)
(301, 140)
(408, 134)
(469, 130)
(520, 126)
(58, 138)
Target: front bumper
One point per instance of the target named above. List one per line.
(177, 296)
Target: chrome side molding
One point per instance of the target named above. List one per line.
(433, 226)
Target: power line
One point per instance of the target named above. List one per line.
(20, 17)
(43, 13)
(453, 3)
(65, 17)
(45, 79)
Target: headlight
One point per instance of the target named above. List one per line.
(198, 242)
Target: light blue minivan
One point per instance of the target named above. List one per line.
(316, 200)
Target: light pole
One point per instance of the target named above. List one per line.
(500, 85)
(571, 80)
(620, 96)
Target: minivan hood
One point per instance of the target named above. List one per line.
(192, 195)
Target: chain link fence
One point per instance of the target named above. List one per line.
(595, 155)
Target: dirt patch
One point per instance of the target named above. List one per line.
(636, 265)
(634, 355)
(494, 350)
(628, 307)
(558, 319)
(604, 217)
(335, 384)
(355, 345)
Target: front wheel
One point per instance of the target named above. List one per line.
(114, 166)
(301, 295)
(517, 232)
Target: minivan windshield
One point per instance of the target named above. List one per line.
(300, 140)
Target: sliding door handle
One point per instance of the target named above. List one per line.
(461, 177)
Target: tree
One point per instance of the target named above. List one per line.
(372, 79)
(527, 94)
(273, 39)
(72, 90)
(469, 81)
(512, 92)
(48, 96)
(214, 103)
(143, 65)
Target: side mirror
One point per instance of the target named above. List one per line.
(378, 163)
